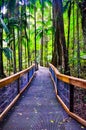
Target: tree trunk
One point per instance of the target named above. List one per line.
(1, 55)
(62, 38)
(35, 29)
(14, 52)
(41, 61)
(60, 35)
(57, 53)
(20, 43)
(82, 6)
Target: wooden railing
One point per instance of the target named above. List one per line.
(12, 87)
(65, 87)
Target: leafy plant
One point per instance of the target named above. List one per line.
(8, 52)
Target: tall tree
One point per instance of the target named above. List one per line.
(57, 53)
(60, 37)
(42, 8)
(82, 6)
(35, 28)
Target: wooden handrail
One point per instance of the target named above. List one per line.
(77, 82)
(10, 79)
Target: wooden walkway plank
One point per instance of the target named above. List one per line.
(38, 108)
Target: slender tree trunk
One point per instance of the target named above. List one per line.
(27, 40)
(53, 31)
(82, 6)
(78, 45)
(20, 44)
(41, 61)
(73, 30)
(54, 43)
(14, 52)
(26, 45)
(19, 35)
(35, 30)
(68, 38)
(1, 53)
(57, 53)
(46, 52)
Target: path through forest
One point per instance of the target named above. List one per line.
(38, 108)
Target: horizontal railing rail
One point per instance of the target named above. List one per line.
(69, 91)
(12, 87)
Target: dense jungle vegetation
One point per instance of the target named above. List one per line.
(43, 31)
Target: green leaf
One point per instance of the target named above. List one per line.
(65, 7)
(39, 34)
(11, 5)
(30, 15)
(13, 20)
(8, 52)
(4, 25)
(52, 121)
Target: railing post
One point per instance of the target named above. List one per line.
(32, 70)
(18, 85)
(71, 98)
(28, 76)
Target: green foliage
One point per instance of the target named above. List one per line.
(8, 52)
(30, 16)
(66, 6)
(4, 25)
(11, 5)
(13, 21)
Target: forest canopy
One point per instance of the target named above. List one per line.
(43, 31)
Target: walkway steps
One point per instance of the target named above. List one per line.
(38, 108)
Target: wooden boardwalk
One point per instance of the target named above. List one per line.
(38, 108)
